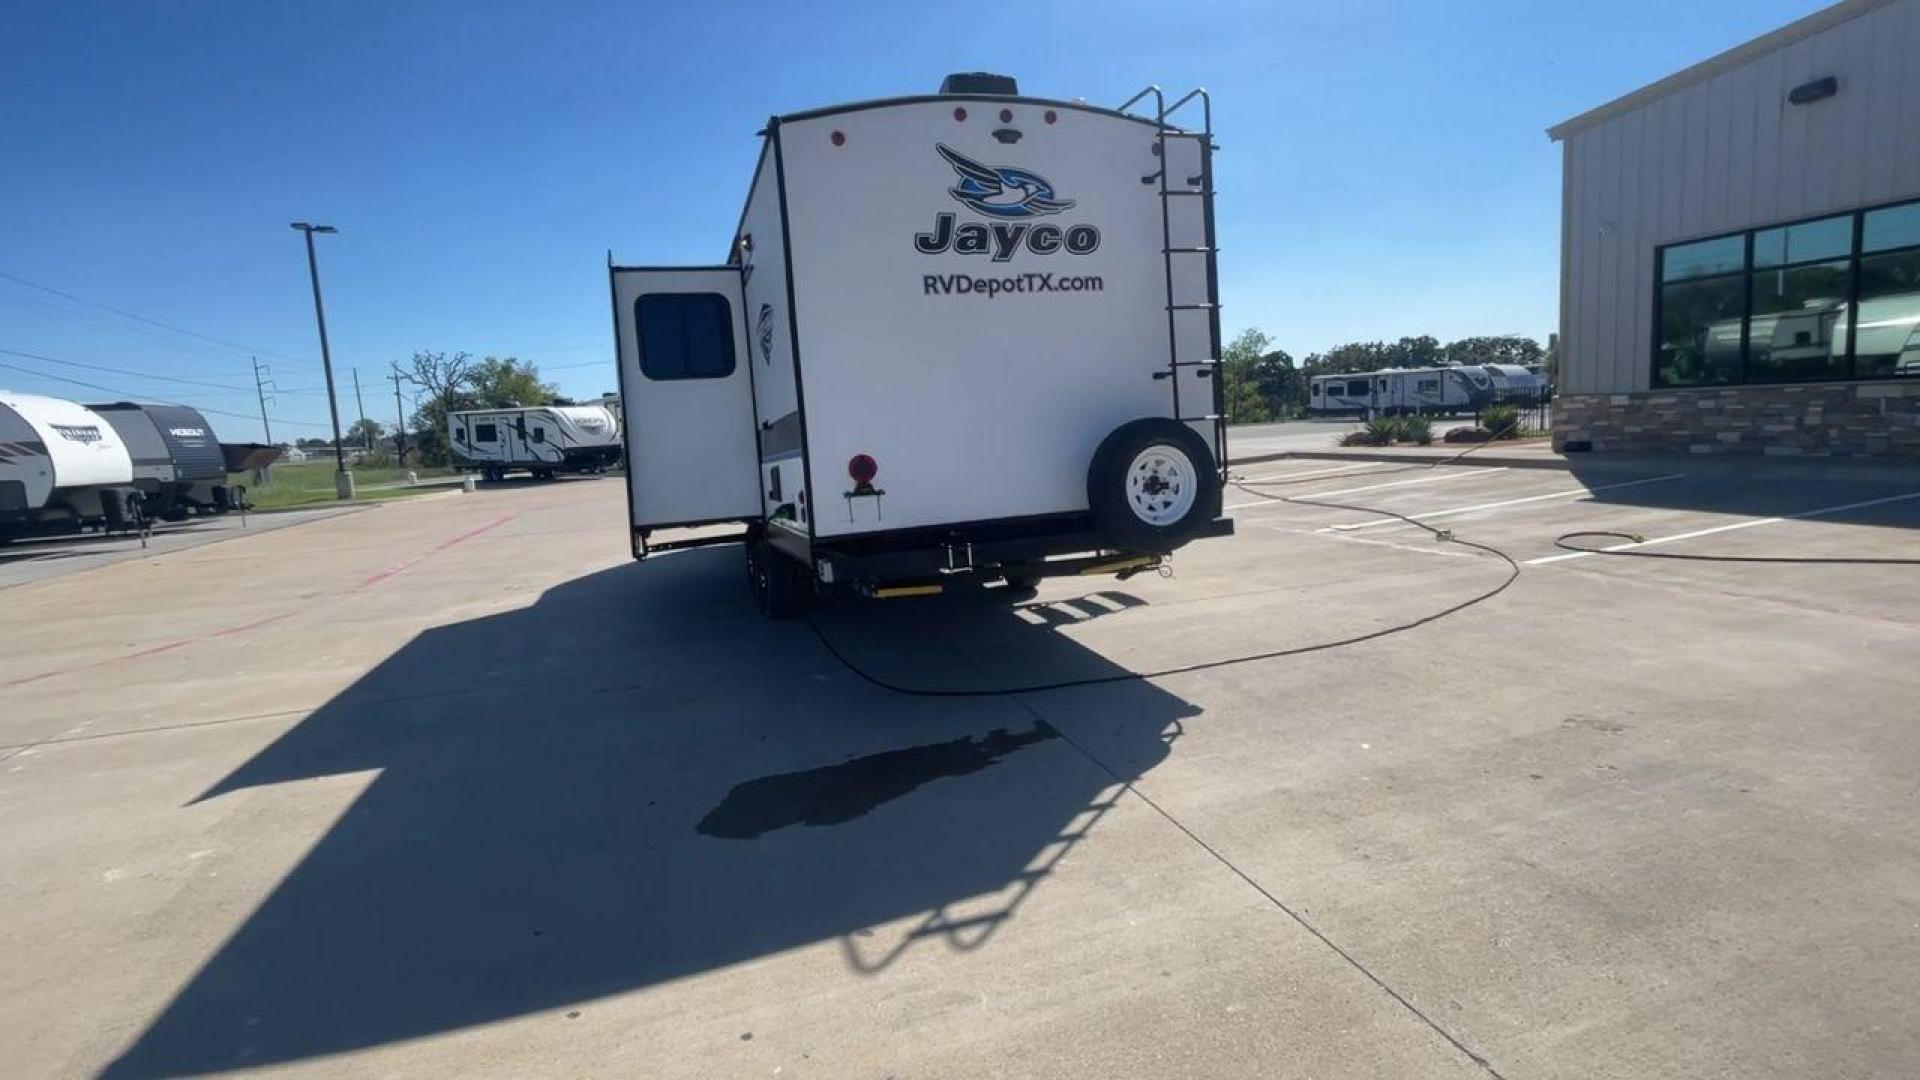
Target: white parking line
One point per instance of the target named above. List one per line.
(1373, 487)
(1726, 528)
(1449, 512)
(1343, 470)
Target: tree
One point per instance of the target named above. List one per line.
(510, 383)
(1244, 402)
(1501, 349)
(365, 432)
(448, 382)
(1280, 385)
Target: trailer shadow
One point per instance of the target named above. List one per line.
(635, 780)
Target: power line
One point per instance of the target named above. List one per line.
(123, 371)
(142, 318)
(118, 392)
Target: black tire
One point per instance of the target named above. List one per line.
(1023, 583)
(774, 581)
(1115, 515)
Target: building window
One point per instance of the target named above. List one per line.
(684, 335)
(1773, 305)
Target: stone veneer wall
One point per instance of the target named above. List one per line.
(1853, 419)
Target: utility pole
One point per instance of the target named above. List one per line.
(399, 417)
(259, 388)
(264, 474)
(342, 479)
(362, 406)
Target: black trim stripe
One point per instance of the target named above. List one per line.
(793, 329)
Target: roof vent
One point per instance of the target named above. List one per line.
(978, 82)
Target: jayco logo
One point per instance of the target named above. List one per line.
(1006, 194)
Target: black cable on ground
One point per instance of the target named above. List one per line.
(1513, 574)
(1561, 541)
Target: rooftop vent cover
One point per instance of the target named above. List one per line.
(978, 82)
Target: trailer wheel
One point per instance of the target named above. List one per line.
(1152, 485)
(777, 589)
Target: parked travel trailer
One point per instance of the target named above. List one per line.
(543, 440)
(62, 468)
(178, 465)
(969, 336)
(1394, 391)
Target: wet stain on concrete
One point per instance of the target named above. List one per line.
(837, 794)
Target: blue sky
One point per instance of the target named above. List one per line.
(1384, 169)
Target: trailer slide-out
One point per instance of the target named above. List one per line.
(970, 336)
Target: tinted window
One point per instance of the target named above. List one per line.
(1894, 227)
(1725, 255)
(1700, 332)
(1316, 389)
(1357, 388)
(539, 434)
(1798, 329)
(685, 335)
(1790, 315)
(1831, 238)
(486, 433)
(1888, 340)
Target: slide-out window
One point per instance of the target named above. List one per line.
(486, 433)
(684, 335)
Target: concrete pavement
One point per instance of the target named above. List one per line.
(518, 806)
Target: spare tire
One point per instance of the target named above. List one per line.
(1152, 486)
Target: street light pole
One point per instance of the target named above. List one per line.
(343, 480)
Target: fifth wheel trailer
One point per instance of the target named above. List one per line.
(963, 336)
(62, 467)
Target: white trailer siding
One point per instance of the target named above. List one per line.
(980, 406)
(81, 447)
(1718, 149)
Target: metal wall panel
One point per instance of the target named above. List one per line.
(1723, 154)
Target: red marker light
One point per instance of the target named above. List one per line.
(1006, 116)
(839, 138)
(1052, 116)
(959, 114)
(862, 468)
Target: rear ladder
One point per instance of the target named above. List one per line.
(1200, 186)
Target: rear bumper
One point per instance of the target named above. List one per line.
(1071, 549)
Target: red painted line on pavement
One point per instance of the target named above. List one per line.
(153, 650)
(434, 550)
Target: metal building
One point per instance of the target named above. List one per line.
(1719, 230)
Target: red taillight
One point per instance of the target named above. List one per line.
(1052, 116)
(1006, 116)
(959, 114)
(839, 138)
(862, 468)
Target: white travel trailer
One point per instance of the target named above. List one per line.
(543, 440)
(62, 466)
(964, 336)
(1395, 391)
